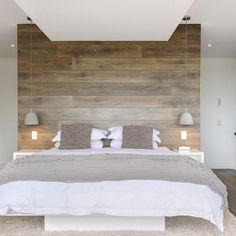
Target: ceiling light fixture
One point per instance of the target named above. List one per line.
(12, 45)
(31, 117)
(209, 45)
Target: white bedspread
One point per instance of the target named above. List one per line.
(118, 198)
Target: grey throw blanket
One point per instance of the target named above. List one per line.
(95, 168)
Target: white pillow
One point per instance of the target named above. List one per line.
(57, 144)
(157, 132)
(96, 134)
(118, 144)
(95, 144)
(57, 138)
(156, 138)
(155, 145)
(116, 133)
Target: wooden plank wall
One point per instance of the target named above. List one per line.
(108, 84)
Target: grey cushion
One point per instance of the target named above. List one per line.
(75, 136)
(137, 137)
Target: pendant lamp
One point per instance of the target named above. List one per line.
(31, 117)
(186, 117)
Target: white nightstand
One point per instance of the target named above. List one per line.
(23, 153)
(193, 153)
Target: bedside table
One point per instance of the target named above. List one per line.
(193, 153)
(23, 153)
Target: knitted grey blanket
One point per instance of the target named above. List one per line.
(95, 168)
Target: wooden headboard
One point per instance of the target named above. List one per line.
(108, 84)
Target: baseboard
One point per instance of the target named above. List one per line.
(220, 165)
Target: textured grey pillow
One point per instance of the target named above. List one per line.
(137, 137)
(75, 136)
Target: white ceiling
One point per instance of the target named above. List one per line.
(106, 20)
(217, 17)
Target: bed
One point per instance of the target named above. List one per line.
(92, 188)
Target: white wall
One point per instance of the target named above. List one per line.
(8, 109)
(218, 80)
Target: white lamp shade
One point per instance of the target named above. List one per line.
(186, 119)
(31, 119)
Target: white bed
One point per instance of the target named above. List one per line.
(131, 198)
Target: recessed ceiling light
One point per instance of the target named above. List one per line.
(12, 45)
(209, 45)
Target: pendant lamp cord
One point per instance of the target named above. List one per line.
(31, 62)
(186, 53)
(186, 48)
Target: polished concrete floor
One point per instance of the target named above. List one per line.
(228, 177)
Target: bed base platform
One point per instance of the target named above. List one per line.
(101, 222)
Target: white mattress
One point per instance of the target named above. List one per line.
(118, 198)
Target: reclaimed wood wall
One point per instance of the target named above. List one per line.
(108, 84)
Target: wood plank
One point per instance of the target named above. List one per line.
(114, 64)
(169, 139)
(102, 51)
(44, 64)
(108, 114)
(163, 126)
(173, 138)
(134, 64)
(45, 101)
(109, 101)
(170, 50)
(44, 141)
(111, 76)
(44, 126)
(108, 89)
(43, 49)
(178, 63)
(52, 49)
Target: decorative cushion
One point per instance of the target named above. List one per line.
(75, 136)
(94, 144)
(137, 137)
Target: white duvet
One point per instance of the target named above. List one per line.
(118, 198)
